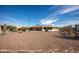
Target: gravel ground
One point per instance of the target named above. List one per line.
(37, 42)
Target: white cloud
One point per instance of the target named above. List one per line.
(11, 19)
(48, 22)
(66, 23)
(69, 9)
(65, 9)
(53, 17)
(7, 22)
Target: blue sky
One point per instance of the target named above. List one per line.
(30, 15)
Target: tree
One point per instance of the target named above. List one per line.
(4, 29)
(12, 28)
(24, 29)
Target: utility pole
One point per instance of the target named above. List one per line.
(53, 23)
(29, 23)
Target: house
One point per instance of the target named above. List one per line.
(41, 28)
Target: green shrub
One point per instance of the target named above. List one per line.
(47, 28)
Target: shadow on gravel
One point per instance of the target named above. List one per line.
(66, 37)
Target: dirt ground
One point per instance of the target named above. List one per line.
(37, 42)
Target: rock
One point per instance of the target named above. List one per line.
(66, 51)
(3, 51)
(71, 49)
(56, 49)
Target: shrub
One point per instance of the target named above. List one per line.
(47, 28)
(4, 29)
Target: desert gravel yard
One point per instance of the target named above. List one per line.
(37, 41)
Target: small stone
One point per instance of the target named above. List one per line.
(66, 50)
(56, 50)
